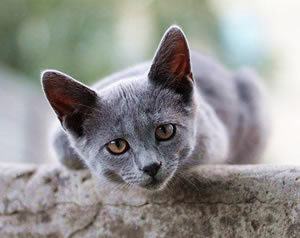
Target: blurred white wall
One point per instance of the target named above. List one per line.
(24, 121)
(280, 21)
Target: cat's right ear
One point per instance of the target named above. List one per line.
(69, 99)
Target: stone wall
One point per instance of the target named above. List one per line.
(214, 201)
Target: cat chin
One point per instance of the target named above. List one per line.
(154, 185)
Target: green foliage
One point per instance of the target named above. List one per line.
(89, 39)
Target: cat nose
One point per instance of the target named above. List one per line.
(152, 169)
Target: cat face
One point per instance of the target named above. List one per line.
(136, 131)
(139, 137)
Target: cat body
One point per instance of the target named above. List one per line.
(145, 124)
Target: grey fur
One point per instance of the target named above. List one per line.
(224, 122)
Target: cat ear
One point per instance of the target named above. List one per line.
(171, 64)
(69, 98)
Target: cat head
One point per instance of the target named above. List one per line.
(137, 130)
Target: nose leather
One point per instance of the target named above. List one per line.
(152, 169)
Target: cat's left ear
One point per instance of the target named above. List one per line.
(171, 65)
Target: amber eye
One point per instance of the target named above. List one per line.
(117, 147)
(165, 132)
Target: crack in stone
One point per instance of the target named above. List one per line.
(87, 226)
(253, 200)
(26, 175)
(50, 208)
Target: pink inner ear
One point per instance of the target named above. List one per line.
(63, 104)
(180, 61)
(178, 66)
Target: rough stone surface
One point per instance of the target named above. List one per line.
(214, 201)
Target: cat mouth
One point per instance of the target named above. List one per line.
(154, 184)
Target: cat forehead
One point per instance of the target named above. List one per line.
(138, 94)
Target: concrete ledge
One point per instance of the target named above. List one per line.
(217, 201)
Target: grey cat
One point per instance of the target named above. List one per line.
(149, 123)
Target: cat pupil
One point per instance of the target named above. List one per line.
(118, 143)
(163, 129)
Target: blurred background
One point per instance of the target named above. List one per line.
(90, 39)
